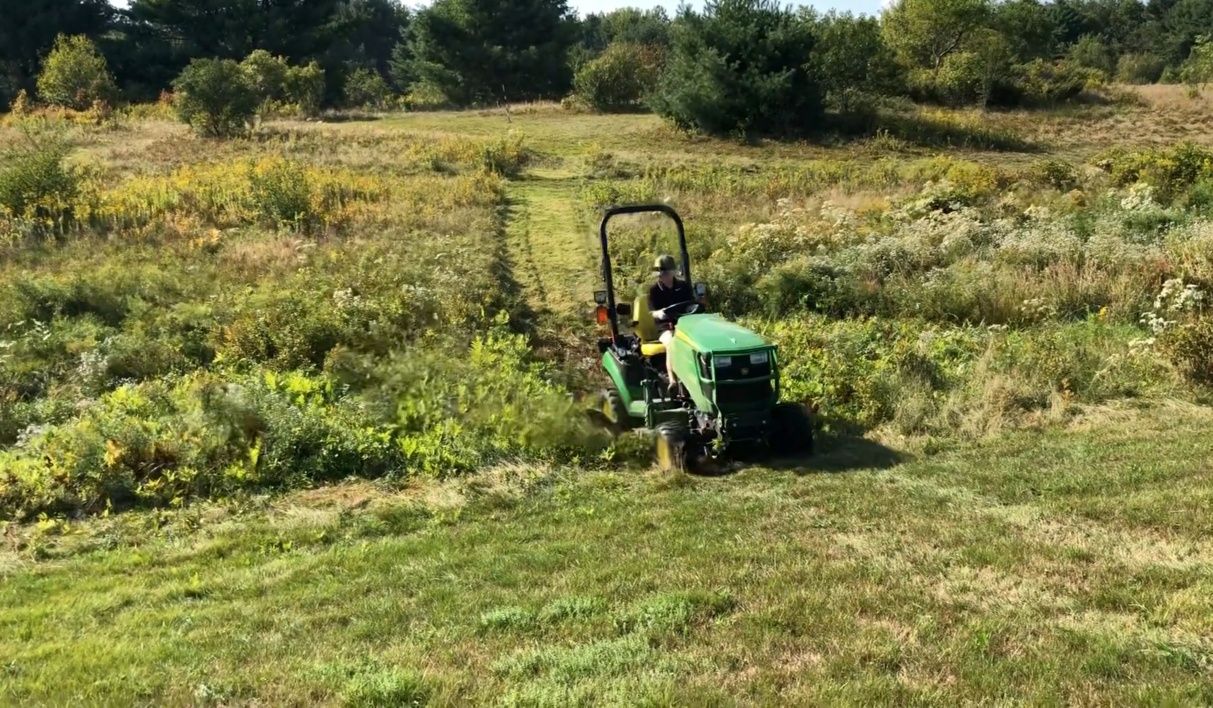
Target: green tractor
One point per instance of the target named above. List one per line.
(726, 400)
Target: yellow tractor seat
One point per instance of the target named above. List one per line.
(642, 320)
(646, 327)
(652, 348)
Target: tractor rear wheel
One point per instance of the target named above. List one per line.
(672, 447)
(791, 429)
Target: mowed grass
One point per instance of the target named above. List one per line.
(1066, 566)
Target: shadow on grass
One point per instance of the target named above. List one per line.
(843, 453)
(350, 117)
(920, 129)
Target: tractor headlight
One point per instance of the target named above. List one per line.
(759, 358)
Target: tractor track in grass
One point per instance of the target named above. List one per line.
(550, 243)
(553, 259)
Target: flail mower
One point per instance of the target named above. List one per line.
(725, 402)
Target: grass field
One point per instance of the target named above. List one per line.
(296, 418)
(1071, 566)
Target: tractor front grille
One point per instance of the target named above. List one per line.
(744, 395)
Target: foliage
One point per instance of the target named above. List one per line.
(304, 88)
(1169, 172)
(1091, 52)
(365, 88)
(36, 185)
(506, 156)
(75, 75)
(924, 33)
(266, 74)
(30, 29)
(482, 51)
(1139, 68)
(740, 67)
(1197, 71)
(852, 59)
(1045, 83)
(169, 440)
(1190, 347)
(625, 25)
(215, 97)
(620, 78)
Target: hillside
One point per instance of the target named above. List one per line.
(297, 417)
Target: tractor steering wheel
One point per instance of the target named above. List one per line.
(678, 309)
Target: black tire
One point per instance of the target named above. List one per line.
(791, 430)
(615, 411)
(672, 447)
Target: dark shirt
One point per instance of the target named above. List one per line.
(661, 297)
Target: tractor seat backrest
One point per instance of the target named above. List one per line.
(642, 319)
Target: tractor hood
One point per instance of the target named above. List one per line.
(712, 334)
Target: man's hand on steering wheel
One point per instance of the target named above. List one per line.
(673, 312)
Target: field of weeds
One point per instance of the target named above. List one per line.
(326, 381)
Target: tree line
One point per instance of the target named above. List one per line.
(737, 65)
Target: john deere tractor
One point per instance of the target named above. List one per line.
(725, 402)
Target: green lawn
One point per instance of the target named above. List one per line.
(1070, 566)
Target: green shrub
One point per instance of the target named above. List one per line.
(365, 88)
(215, 97)
(1189, 346)
(35, 182)
(304, 88)
(1058, 174)
(1044, 83)
(1170, 171)
(266, 74)
(1197, 70)
(75, 75)
(1091, 52)
(1139, 68)
(853, 60)
(506, 156)
(741, 67)
(281, 193)
(619, 79)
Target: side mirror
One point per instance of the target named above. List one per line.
(623, 309)
(701, 291)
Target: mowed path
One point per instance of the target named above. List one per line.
(551, 245)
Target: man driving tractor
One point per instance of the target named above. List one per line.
(667, 291)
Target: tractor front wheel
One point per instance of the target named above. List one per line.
(614, 411)
(672, 448)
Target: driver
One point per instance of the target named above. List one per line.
(667, 291)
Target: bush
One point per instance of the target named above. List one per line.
(215, 97)
(1171, 172)
(1044, 83)
(1139, 68)
(741, 67)
(75, 75)
(281, 193)
(1190, 348)
(209, 433)
(1197, 70)
(266, 74)
(365, 88)
(619, 79)
(1090, 52)
(506, 156)
(853, 60)
(304, 88)
(36, 184)
(977, 74)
